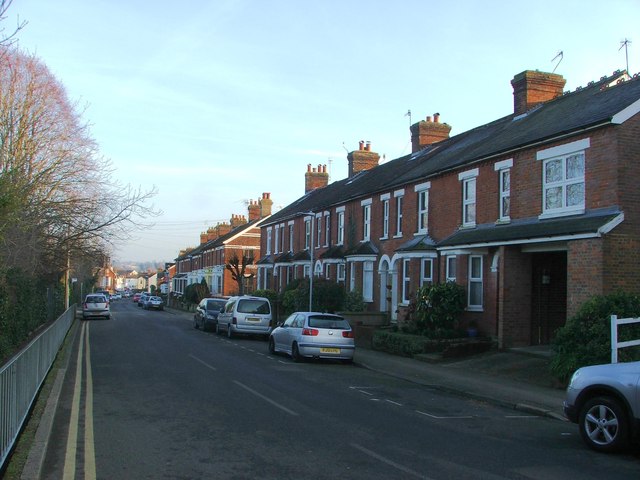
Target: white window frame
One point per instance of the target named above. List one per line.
(562, 153)
(291, 236)
(399, 196)
(469, 206)
(340, 226)
(306, 270)
(318, 230)
(422, 193)
(341, 272)
(367, 281)
(327, 229)
(406, 280)
(307, 233)
(276, 240)
(366, 220)
(327, 271)
(504, 193)
(426, 271)
(451, 264)
(385, 216)
(477, 281)
(352, 277)
(269, 233)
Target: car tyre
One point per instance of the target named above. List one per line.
(295, 353)
(272, 346)
(218, 331)
(604, 424)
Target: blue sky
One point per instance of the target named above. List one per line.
(215, 102)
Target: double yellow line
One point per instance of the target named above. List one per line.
(72, 440)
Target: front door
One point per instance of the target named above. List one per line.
(549, 295)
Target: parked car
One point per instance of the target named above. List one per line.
(207, 311)
(153, 302)
(95, 305)
(245, 314)
(136, 297)
(604, 400)
(142, 298)
(314, 335)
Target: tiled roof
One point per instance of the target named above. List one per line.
(594, 105)
(525, 230)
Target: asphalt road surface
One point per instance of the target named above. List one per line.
(147, 396)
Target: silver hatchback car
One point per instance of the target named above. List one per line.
(95, 305)
(604, 400)
(314, 335)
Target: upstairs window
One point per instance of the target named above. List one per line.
(340, 225)
(422, 191)
(504, 187)
(291, 238)
(318, 231)
(385, 216)
(307, 234)
(366, 220)
(563, 186)
(268, 241)
(468, 180)
(327, 229)
(399, 205)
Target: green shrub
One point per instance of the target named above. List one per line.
(586, 337)
(354, 301)
(438, 308)
(328, 296)
(400, 343)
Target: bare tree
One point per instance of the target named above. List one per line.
(238, 268)
(57, 195)
(9, 38)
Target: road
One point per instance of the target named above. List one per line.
(147, 396)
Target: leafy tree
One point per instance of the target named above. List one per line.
(438, 307)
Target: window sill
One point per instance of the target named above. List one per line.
(475, 309)
(398, 236)
(562, 213)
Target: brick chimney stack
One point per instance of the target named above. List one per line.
(222, 229)
(253, 210)
(265, 205)
(315, 178)
(362, 159)
(237, 220)
(427, 132)
(210, 234)
(530, 88)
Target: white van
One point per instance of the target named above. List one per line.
(251, 315)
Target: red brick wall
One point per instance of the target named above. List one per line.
(515, 298)
(584, 272)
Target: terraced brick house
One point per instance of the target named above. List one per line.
(532, 213)
(239, 237)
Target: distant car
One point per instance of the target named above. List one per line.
(314, 335)
(604, 400)
(207, 311)
(115, 296)
(136, 297)
(245, 314)
(142, 299)
(152, 302)
(95, 305)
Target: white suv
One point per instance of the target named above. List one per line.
(245, 314)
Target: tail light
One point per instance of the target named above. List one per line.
(234, 320)
(347, 333)
(312, 332)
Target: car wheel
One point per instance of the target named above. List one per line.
(218, 331)
(295, 353)
(604, 425)
(272, 346)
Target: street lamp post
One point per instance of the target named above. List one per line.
(311, 260)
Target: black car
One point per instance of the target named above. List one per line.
(206, 314)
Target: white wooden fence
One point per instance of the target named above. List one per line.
(615, 345)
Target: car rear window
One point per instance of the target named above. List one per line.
(215, 305)
(337, 323)
(260, 307)
(96, 299)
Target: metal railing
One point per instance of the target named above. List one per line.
(22, 377)
(615, 344)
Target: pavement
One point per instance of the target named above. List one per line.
(518, 378)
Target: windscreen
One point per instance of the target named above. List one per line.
(215, 305)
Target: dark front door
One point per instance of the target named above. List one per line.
(549, 295)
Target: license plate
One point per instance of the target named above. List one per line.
(329, 350)
(253, 319)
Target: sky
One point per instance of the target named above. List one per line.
(213, 102)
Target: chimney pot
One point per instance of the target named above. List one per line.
(361, 145)
(428, 118)
(436, 117)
